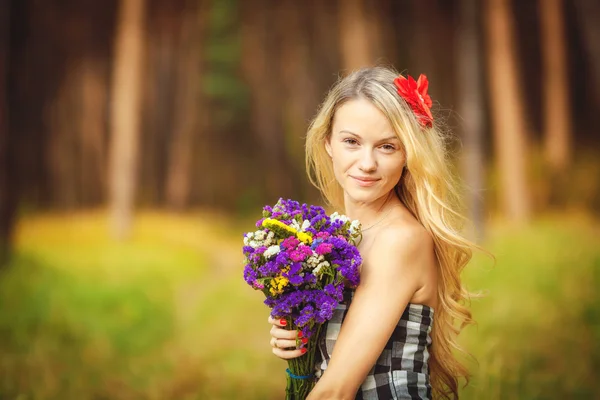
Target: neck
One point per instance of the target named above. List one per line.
(370, 213)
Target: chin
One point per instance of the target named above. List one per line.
(364, 195)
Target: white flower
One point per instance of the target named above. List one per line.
(355, 226)
(270, 239)
(271, 251)
(259, 235)
(312, 261)
(305, 225)
(295, 225)
(247, 237)
(339, 217)
(318, 267)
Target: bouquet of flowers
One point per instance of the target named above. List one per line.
(301, 259)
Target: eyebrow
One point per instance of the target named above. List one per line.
(358, 136)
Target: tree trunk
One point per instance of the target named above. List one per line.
(125, 115)
(557, 112)
(92, 131)
(7, 194)
(326, 60)
(355, 41)
(432, 30)
(62, 114)
(188, 110)
(384, 37)
(158, 108)
(508, 122)
(76, 151)
(471, 110)
(588, 13)
(298, 84)
(259, 49)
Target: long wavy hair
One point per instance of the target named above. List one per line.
(428, 188)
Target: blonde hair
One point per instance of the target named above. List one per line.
(427, 188)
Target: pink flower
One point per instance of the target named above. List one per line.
(290, 243)
(322, 235)
(257, 285)
(304, 249)
(296, 255)
(324, 248)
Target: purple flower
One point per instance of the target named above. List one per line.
(306, 315)
(310, 278)
(269, 269)
(249, 274)
(292, 289)
(334, 291)
(260, 250)
(296, 280)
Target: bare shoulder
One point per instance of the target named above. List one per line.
(404, 237)
(407, 249)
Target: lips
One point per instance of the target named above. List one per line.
(364, 181)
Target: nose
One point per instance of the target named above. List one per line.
(367, 163)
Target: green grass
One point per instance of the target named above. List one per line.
(539, 323)
(168, 316)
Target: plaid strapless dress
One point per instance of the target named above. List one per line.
(402, 369)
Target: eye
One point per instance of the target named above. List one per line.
(389, 147)
(350, 141)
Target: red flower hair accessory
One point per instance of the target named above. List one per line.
(415, 94)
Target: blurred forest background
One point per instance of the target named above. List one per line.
(139, 139)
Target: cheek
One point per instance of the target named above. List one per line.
(341, 159)
(394, 171)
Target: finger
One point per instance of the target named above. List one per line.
(288, 354)
(278, 321)
(285, 344)
(280, 333)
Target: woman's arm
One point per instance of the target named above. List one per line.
(389, 279)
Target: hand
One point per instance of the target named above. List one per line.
(284, 342)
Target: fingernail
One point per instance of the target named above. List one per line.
(283, 322)
(304, 340)
(300, 334)
(303, 350)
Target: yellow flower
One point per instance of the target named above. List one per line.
(274, 222)
(277, 284)
(304, 237)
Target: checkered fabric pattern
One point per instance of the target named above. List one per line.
(402, 370)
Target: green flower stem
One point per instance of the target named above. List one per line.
(298, 389)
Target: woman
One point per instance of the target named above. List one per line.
(376, 154)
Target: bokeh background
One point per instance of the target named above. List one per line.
(140, 138)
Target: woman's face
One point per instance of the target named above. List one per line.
(367, 156)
